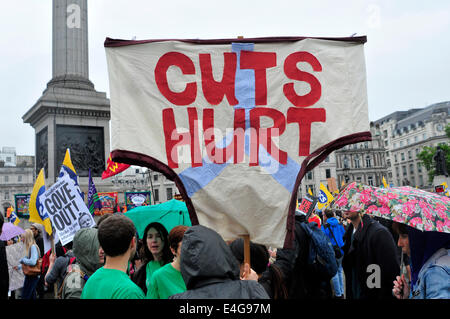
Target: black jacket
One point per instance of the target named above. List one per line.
(301, 279)
(4, 274)
(372, 246)
(210, 269)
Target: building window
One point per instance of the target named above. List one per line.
(419, 168)
(169, 193)
(327, 173)
(386, 143)
(6, 194)
(408, 141)
(411, 169)
(416, 138)
(409, 155)
(19, 178)
(8, 159)
(155, 177)
(397, 173)
(309, 175)
(401, 143)
(403, 156)
(156, 195)
(404, 170)
(6, 178)
(424, 136)
(327, 160)
(420, 180)
(356, 161)
(368, 161)
(370, 180)
(346, 162)
(395, 158)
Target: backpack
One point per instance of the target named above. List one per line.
(321, 255)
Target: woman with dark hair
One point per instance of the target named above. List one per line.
(155, 254)
(269, 276)
(168, 280)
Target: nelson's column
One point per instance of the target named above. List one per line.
(71, 113)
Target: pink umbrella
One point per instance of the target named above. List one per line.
(10, 230)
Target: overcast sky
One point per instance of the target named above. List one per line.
(407, 52)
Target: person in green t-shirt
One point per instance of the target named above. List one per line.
(116, 236)
(156, 253)
(167, 280)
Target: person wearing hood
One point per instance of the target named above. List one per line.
(335, 232)
(89, 257)
(37, 230)
(210, 269)
(429, 254)
(269, 275)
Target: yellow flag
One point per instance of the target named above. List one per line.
(36, 208)
(14, 218)
(310, 192)
(384, 183)
(325, 197)
(446, 193)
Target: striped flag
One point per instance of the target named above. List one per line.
(93, 199)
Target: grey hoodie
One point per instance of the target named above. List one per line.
(210, 269)
(85, 249)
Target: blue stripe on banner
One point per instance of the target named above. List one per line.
(195, 178)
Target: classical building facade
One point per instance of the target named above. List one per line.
(17, 178)
(405, 134)
(363, 162)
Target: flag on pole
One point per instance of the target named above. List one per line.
(309, 191)
(67, 168)
(113, 168)
(93, 199)
(446, 192)
(14, 218)
(9, 210)
(36, 208)
(325, 197)
(385, 183)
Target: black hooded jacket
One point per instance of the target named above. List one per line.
(210, 269)
(372, 245)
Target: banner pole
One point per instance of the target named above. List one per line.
(247, 249)
(55, 286)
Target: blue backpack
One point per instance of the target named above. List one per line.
(321, 254)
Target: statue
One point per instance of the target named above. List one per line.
(441, 165)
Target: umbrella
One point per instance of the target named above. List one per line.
(407, 205)
(10, 230)
(170, 214)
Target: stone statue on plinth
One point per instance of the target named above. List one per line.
(441, 165)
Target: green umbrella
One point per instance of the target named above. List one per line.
(171, 213)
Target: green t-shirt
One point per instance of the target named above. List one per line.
(165, 282)
(111, 284)
(152, 266)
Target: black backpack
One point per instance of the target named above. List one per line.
(336, 248)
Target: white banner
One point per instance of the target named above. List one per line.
(66, 209)
(13, 254)
(232, 122)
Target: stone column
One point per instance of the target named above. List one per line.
(70, 45)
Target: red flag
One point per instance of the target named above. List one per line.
(113, 168)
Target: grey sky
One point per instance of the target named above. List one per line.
(407, 53)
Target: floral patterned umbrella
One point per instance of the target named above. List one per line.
(414, 207)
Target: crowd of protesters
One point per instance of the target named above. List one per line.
(373, 259)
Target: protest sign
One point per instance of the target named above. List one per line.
(67, 210)
(307, 204)
(237, 123)
(109, 202)
(22, 202)
(13, 254)
(136, 199)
